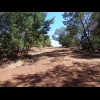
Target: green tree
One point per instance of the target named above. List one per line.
(76, 25)
(64, 37)
(19, 31)
(95, 29)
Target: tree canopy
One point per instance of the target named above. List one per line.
(82, 28)
(20, 31)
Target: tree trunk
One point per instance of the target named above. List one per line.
(90, 44)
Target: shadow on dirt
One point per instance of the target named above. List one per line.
(60, 76)
(56, 53)
(33, 58)
(83, 55)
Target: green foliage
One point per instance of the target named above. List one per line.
(82, 29)
(23, 30)
(77, 25)
(95, 29)
(65, 38)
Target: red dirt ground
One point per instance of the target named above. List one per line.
(52, 67)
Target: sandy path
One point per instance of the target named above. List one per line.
(52, 67)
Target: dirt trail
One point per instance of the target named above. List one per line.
(58, 67)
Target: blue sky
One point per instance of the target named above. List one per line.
(57, 24)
